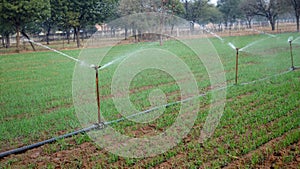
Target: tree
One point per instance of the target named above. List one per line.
(61, 16)
(21, 12)
(5, 31)
(204, 12)
(196, 8)
(296, 5)
(176, 10)
(78, 14)
(129, 7)
(248, 10)
(270, 9)
(56, 11)
(230, 10)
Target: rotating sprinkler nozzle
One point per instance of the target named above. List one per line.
(291, 50)
(236, 65)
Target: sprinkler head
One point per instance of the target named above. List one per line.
(95, 67)
(290, 40)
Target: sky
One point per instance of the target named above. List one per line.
(214, 1)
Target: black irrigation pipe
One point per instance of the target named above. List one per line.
(102, 125)
(35, 145)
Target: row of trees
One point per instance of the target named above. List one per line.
(33, 16)
(270, 9)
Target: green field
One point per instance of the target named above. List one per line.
(260, 118)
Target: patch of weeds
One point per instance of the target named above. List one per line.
(170, 153)
(199, 162)
(157, 160)
(287, 159)
(98, 166)
(31, 166)
(257, 158)
(78, 163)
(130, 161)
(221, 150)
(50, 166)
(192, 155)
(82, 138)
(112, 158)
(9, 163)
(50, 148)
(269, 150)
(63, 144)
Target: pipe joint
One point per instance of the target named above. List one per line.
(100, 126)
(95, 67)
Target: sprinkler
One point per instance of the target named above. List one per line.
(237, 60)
(97, 93)
(291, 49)
(236, 65)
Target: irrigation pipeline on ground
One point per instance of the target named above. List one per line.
(35, 145)
(101, 126)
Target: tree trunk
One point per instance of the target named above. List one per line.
(249, 24)
(161, 40)
(186, 9)
(192, 27)
(273, 25)
(111, 32)
(77, 34)
(139, 35)
(134, 34)
(126, 32)
(18, 37)
(298, 24)
(272, 21)
(68, 36)
(74, 35)
(7, 45)
(226, 25)
(24, 34)
(48, 34)
(2, 39)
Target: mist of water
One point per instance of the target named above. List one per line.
(112, 62)
(54, 50)
(297, 38)
(214, 34)
(122, 57)
(82, 63)
(232, 46)
(262, 32)
(251, 44)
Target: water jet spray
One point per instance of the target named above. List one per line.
(54, 50)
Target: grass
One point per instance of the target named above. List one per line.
(38, 98)
(36, 101)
